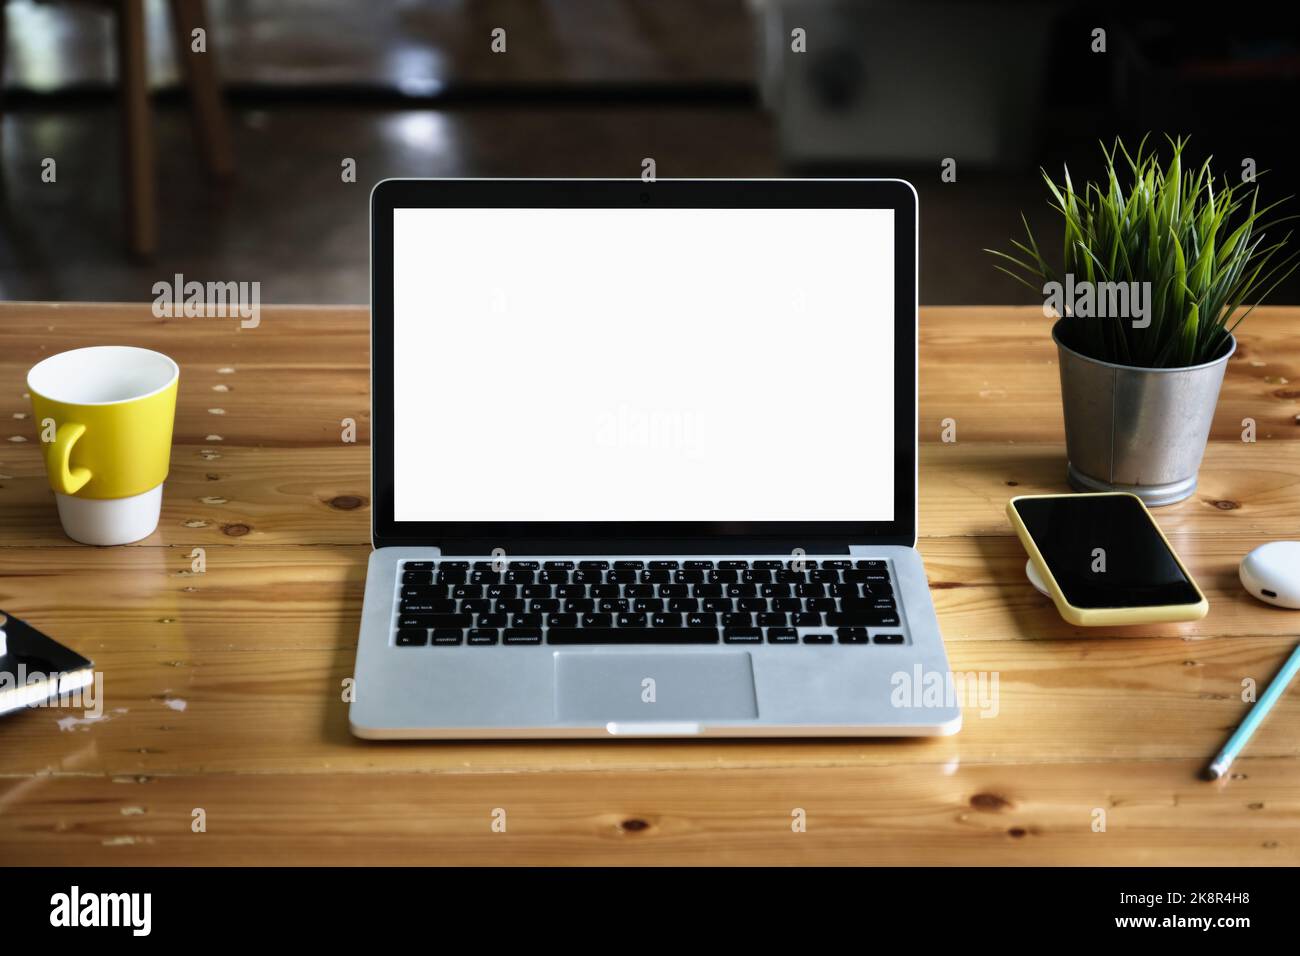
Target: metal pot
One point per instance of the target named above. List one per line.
(1141, 430)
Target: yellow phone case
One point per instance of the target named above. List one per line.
(1107, 616)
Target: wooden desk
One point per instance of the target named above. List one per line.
(223, 689)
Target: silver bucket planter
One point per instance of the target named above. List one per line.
(1141, 430)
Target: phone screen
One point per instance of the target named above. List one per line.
(1105, 551)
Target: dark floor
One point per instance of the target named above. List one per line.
(289, 221)
(409, 88)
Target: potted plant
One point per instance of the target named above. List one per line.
(1157, 262)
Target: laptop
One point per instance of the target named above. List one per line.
(644, 463)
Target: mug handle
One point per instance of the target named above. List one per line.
(67, 480)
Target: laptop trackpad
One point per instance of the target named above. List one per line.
(598, 688)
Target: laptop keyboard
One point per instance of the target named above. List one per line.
(450, 603)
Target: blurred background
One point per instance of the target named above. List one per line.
(227, 163)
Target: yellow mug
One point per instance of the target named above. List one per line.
(104, 416)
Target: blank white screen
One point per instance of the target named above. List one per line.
(643, 364)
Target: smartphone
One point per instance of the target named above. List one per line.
(1104, 559)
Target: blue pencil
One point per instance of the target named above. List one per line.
(1238, 740)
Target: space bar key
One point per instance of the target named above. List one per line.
(632, 635)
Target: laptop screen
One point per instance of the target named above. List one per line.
(624, 364)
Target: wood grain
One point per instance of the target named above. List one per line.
(222, 689)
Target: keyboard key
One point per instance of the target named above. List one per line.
(737, 620)
(529, 620)
(702, 620)
(768, 565)
(552, 577)
(751, 604)
(837, 565)
(658, 577)
(871, 565)
(666, 620)
(810, 590)
(524, 565)
(580, 606)
(821, 604)
(518, 577)
(482, 636)
(756, 577)
(741, 590)
(698, 565)
(631, 620)
(683, 605)
(417, 577)
(547, 606)
(853, 635)
(495, 591)
(782, 635)
(445, 637)
(772, 619)
(787, 604)
(476, 605)
(622, 576)
(689, 577)
(673, 590)
(707, 591)
(889, 638)
(450, 577)
(454, 565)
(510, 605)
(733, 565)
(606, 591)
(558, 565)
(527, 635)
(640, 590)
(588, 576)
(649, 635)
(570, 591)
(722, 577)
(435, 620)
(647, 605)
(485, 566)
(597, 620)
(417, 565)
(563, 619)
(742, 635)
(719, 605)
(425, 591)
(824, 577)
(612, 607)
(491, 620)
(629, 565)
(412, 637)
(863, 619)
(818, 639)
(593, 565)
(439, 606)
(806, 619)
(663, 565)
(462, 591)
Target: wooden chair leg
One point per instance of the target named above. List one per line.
(2, 77)
(207, 111)
(137, 135)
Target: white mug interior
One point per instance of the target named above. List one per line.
(102, 375)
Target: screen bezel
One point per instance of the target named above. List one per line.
(644, 536)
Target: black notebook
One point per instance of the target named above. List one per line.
(35, 668)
